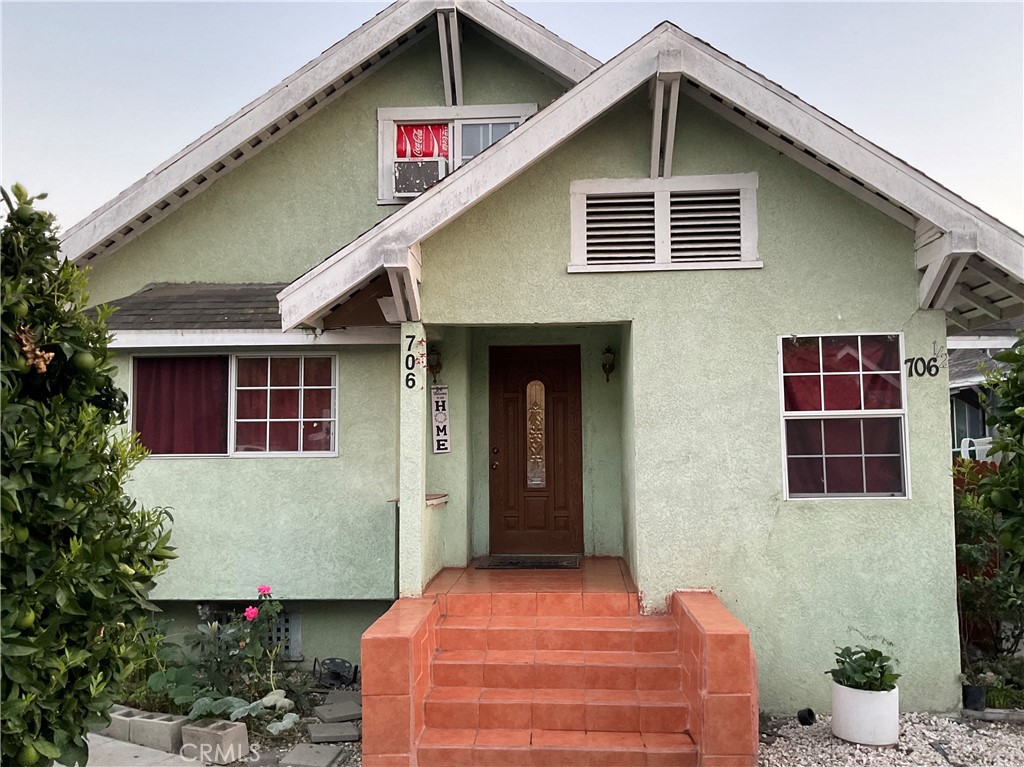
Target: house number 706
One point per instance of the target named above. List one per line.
(410, 364)
(919, 366)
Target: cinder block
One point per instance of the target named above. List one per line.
(159, 731)
(120, 720)
(213, 741)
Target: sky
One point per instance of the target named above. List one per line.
(95, 95)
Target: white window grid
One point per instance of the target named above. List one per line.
(455, 117)
(232, 404)
(233, 420)
(862, 413)
(458, 129)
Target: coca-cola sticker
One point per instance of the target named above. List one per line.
(421, 141)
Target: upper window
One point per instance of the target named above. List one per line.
(686, 222)
(277, 404)
(844, 416)
(417, 147)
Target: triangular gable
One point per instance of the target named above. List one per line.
(952, 234)
(265, 120)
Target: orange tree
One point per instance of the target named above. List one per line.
(77, 555)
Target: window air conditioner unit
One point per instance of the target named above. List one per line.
(413, 177)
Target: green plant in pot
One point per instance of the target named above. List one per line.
(865, 698)
(975, 687)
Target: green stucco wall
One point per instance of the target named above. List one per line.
(602, 435)
(449, 472)
(327, 629)
(702, 401)
(313, 528)
(308, 195)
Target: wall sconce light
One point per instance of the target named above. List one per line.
(433, 361)
(607, 362)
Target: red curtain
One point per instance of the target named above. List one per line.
(181, 404)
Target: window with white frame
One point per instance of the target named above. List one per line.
(967, 419)
(236, 404)
(844, 416)
(418, 146)
(683, 222)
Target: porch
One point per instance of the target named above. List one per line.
(556, 667)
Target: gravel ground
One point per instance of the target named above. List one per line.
(924, 740)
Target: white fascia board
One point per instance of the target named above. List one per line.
(530, 37)
(310, 294)
(980, 341)
(828, 138)
(378, 33)
(965, 383)
(165, 339)
(388, 243)
(382, 30)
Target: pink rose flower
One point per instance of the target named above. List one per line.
(251, 613)
(263, 589)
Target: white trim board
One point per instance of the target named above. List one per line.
(981, 341)
(226, 339)
(784, 113)
(196, 167)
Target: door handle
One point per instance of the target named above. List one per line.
(494, 466)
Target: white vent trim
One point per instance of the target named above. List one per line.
(678, 223)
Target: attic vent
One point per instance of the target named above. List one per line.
(620, 228)
(705, 225)
(685, 222)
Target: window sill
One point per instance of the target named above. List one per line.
(222, 456)
(848, 498)
(687, 267)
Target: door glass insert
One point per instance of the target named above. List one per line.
(536, 465)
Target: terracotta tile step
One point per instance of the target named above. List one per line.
(596, 599)
(557, 669)
(623, 634)
(553, 748)
(607, 710)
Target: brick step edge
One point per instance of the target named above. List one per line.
(438, 748)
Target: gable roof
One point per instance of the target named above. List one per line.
(302, 94)
(956, 240)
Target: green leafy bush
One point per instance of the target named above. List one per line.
(864, 669)
(78, 555)
(989, 505)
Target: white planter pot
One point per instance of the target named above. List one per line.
(870, 718)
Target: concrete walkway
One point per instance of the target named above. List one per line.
(107, 752)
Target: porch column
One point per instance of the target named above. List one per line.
(412, 452)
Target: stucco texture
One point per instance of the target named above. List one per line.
(326, 629)
(313, 528)
(704, 502)
(316, 528)
(308, 195)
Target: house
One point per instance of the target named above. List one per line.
(968, 357)
(678, 316)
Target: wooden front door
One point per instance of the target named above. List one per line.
(536, 451)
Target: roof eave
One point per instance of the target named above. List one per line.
(195, 168)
